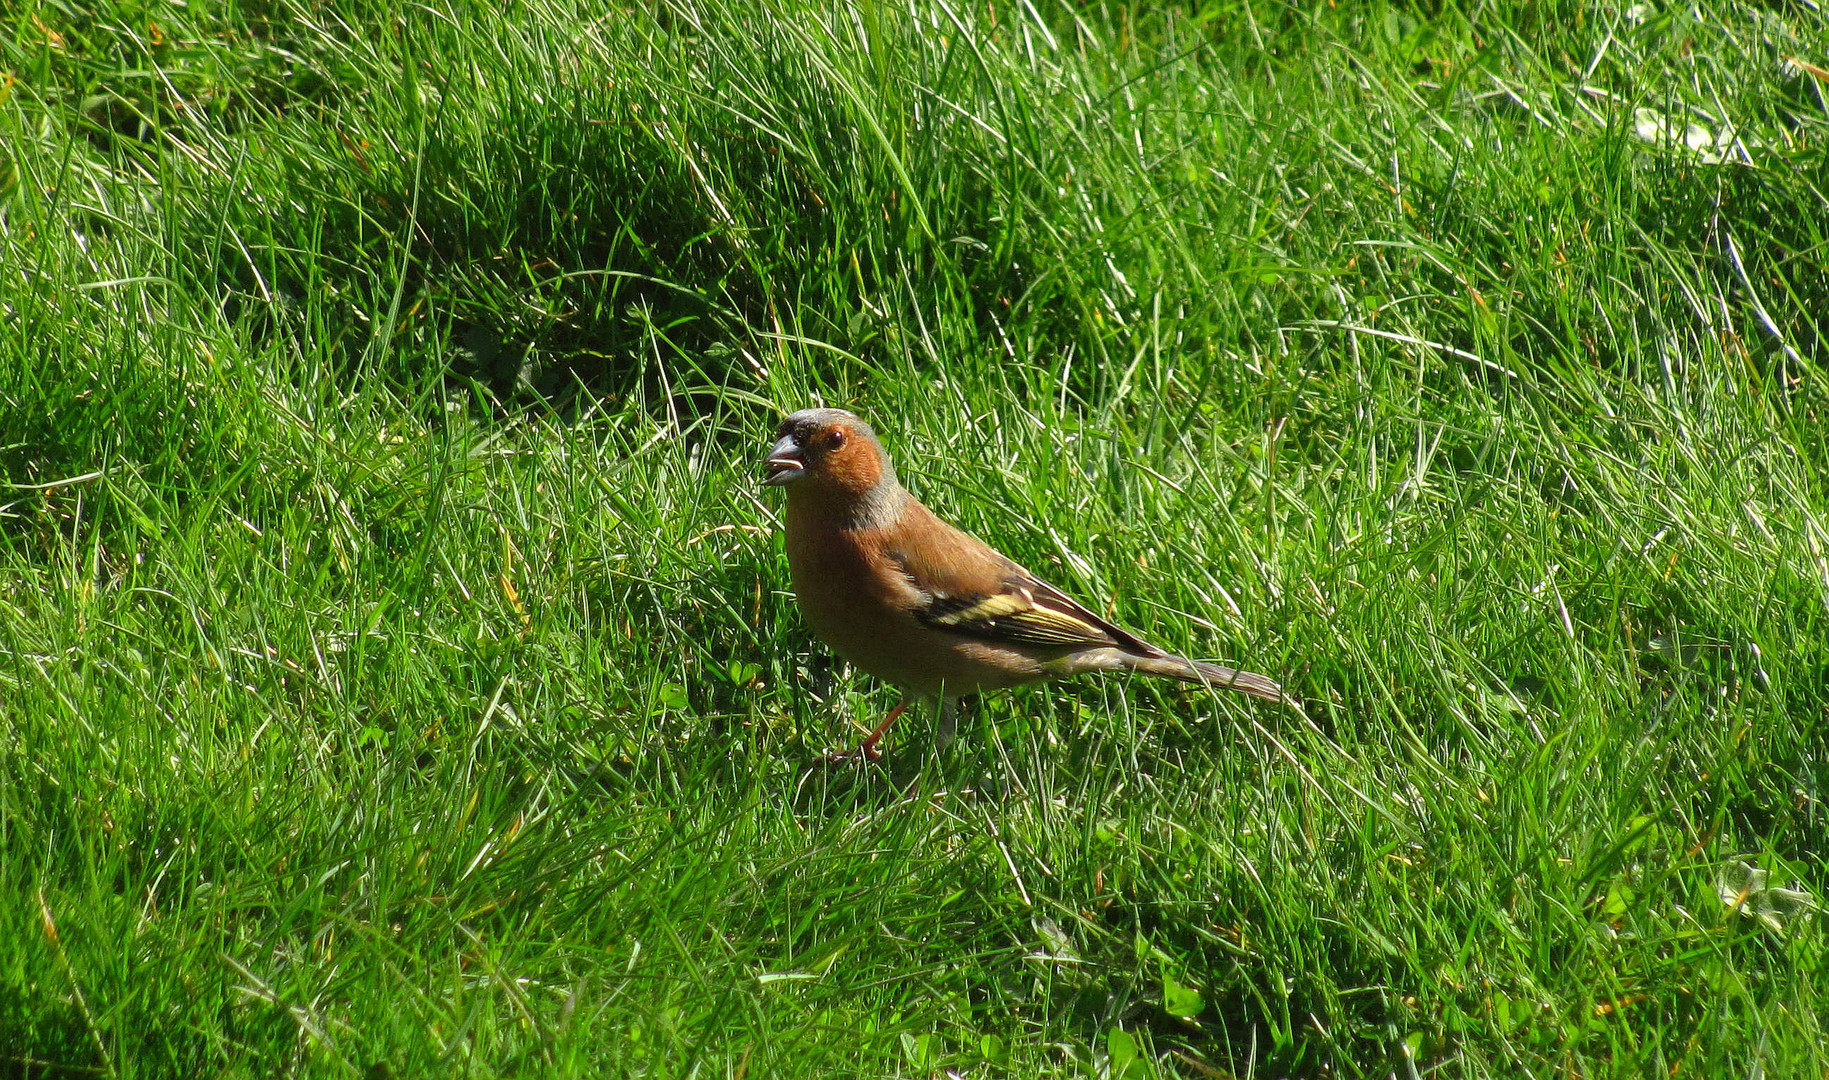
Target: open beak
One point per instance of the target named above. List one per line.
(785, 463)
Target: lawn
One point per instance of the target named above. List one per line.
(398, 673)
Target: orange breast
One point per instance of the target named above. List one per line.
(858, 601)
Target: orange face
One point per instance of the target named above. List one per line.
(828, 447)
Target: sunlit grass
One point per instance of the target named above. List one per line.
(396, 670)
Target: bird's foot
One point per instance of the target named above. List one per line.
(866, 752)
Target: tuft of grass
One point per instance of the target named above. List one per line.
(397, 675)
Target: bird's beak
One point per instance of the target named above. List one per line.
(785, 463)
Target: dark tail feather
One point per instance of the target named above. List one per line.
(1213, 675)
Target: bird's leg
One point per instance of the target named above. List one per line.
(867, 749)
(949, 723)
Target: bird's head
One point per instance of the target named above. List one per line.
(830, 450)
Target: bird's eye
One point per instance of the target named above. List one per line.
(836, 439)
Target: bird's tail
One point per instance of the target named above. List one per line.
(1213, 675)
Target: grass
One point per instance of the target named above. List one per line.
(397, 676)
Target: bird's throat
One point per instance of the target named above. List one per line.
(876, 508)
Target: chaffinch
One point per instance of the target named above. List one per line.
(915, 602)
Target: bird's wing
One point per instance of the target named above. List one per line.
(965, 587)
(1028, 611)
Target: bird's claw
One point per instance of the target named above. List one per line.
(866, 752)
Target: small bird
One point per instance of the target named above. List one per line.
(920, 604)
